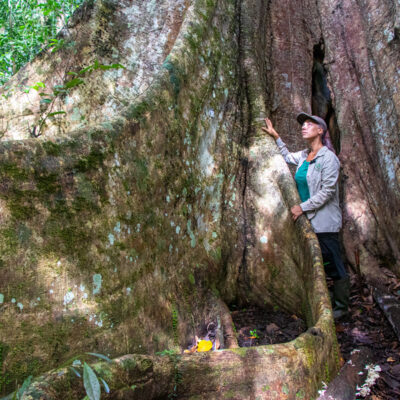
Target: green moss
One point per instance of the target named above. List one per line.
(240, 351)
(128, 364)
(145, 365)
(175, 322)
(22, 207)
(18, 365)
(13, 171)
(300, 394)
(66, 387)
(274, 271)
(4, 380)
(52, 149)
(8, 241)
(141, 173)
(327, 377)
(230, 394)
(90, 162)
(216, 254)
(191, 279)
(47, 184)
(138, 111)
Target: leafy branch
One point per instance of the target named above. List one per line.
(48, 99)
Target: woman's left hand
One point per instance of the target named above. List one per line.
(296, 212)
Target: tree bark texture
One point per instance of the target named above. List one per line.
(129, 222)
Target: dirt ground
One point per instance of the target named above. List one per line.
(364, 326)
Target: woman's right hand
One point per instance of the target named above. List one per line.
(270, 129)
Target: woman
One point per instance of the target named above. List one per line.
(317, 182)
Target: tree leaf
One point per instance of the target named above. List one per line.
(86, 69)
(91, 383)
(24, 386)
(107, 389)
(74, 82)
(102, 356)
(45, 101)
(38, 85)
(56, 113)
(76, 372)
(112, 66)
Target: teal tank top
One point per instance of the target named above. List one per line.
(301, 181)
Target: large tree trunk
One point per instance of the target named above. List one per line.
(135, 217)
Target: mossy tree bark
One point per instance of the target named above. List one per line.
(135, 217)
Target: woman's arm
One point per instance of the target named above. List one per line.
(329, 178)
(290, 158)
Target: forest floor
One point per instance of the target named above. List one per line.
(364, 326)
(367, 326)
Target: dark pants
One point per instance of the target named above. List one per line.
(333, 264)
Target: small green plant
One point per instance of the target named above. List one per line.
(166, 352)
(48, 98)
(91, 381)
(254, 334)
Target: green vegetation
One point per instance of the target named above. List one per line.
(28, 26)
(254, 334)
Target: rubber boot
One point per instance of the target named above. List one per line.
(341, 294)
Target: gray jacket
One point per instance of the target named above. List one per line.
(322, 208)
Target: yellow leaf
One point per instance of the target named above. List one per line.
(390, 359)
(204, 345)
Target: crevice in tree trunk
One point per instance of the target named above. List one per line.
(245, 117)
(321, 95)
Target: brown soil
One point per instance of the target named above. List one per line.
(367, 326)
(258, 326)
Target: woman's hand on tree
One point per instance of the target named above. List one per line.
(296, 212)
(270, 129)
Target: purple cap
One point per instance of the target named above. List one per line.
(318, 120)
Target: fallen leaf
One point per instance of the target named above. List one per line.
(390, 359)
(191, 350)
(204, 345)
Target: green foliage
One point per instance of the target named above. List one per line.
(254, 334)
(91, 381)
(166, 352)
(28, 26)
(49, 98)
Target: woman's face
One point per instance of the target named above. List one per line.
(311, 130)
